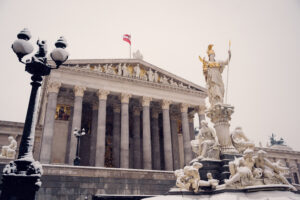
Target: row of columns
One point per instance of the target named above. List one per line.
(121, 132)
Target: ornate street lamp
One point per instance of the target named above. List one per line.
(21, 178)
(78, 134)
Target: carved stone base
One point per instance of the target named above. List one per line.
(21, 179)
(220, 115)
(210, 166)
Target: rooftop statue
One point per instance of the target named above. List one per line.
(137, 55)
(273, 140)
(240, 141)
(212, 71)
(206, 144)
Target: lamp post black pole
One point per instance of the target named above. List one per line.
(26, 145)
(78, 134)
(21, 178)
(27, 172)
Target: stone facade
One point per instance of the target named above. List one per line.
(125, 105)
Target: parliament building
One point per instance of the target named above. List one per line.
(138, 120)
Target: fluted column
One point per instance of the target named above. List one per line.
(76, 122)
(124, 131)
(48, 131)
(298, 165)
(167, 135)
(201, 114)
(175, 144)
(146, 133)
(191, 125)
(155, 140)
(116, 134)
(186, 134)
(94, 134)
(101, 129)
(137, 163)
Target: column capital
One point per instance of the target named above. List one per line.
(201, 109)
(165, 104)
(102, 94)
(125, 98)
(54, 86)
(79, 90)
(136, 111)
(117, 108)
(146, 101)
(184, 107)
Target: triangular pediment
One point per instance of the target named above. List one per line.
(135, 69)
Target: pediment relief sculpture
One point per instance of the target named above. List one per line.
(135, 71)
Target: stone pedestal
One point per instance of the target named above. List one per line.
(20, 186)
(211, 166)
(220, 115)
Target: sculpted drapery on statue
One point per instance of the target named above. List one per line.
(240, 141)
(212, 71)
(206, 144)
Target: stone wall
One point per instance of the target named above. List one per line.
(69, 182)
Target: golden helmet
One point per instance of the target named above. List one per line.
(210, 50)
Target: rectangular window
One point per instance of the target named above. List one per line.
(62, 112)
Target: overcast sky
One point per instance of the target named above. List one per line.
(264, 71)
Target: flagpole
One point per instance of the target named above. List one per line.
(130, 48)
(227, 76)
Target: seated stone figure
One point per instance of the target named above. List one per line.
(9, 151)
(240, 141)
(206, 143)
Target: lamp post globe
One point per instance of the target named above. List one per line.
(21, 178)
(21, 46)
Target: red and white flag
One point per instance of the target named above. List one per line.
(127, 38)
